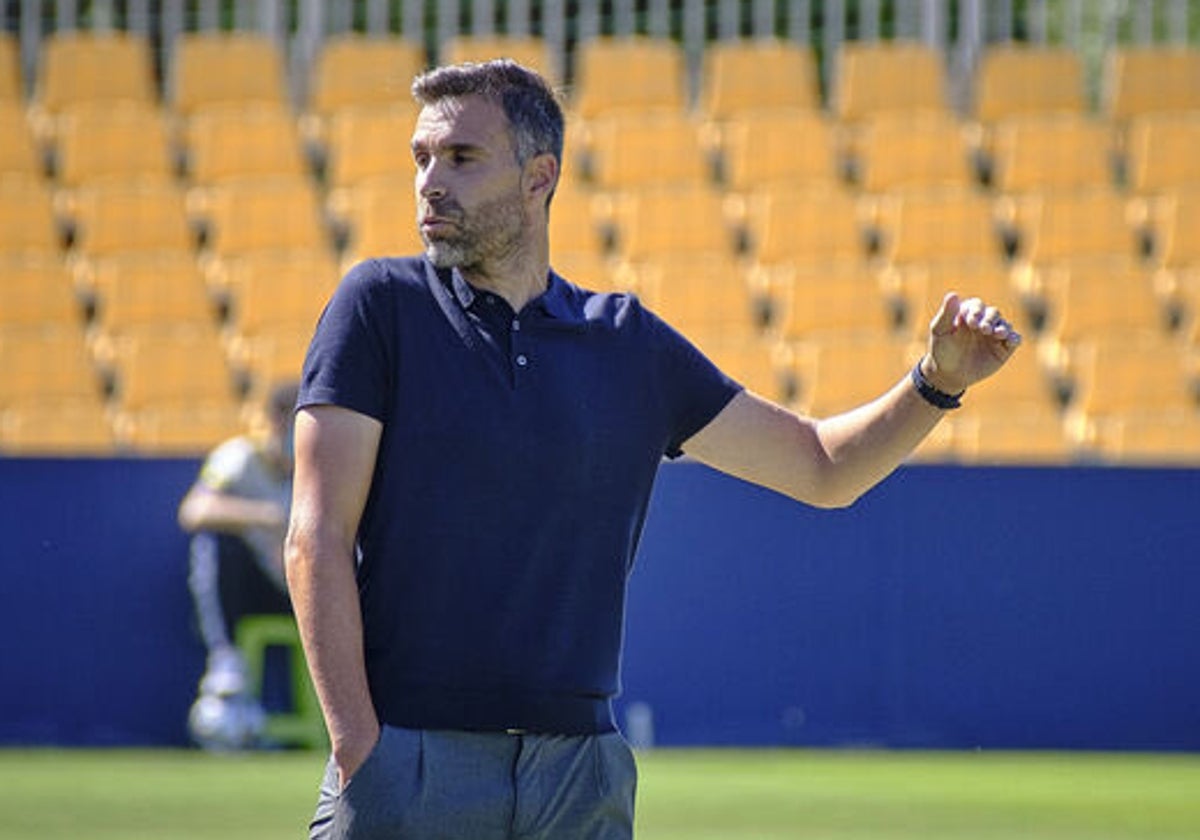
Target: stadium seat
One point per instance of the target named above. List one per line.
(776, 149)
(89, 67)
(1117, 376)
(37, 290)
(277, 291)
(1160, 152)
(751, 76)
(529, 52)
(1149, 439)
(67, 427)
(213, 69)
(887, 76)
(363, 143)
(836, 374)
(658, 223)
(1149, 79)
(1177, 230)
(134, 293)
(302, 725)
(11, 87)
(382, 216)
(112, 140)
(134, 216)
(259, 214)
(577, 222)
(178, 429)
(27, 219)
(998, 436)
(813, 301)
(19, 154)
(625, 152)
(1050, 152)
(160, 366)
(46, 362)
(355, 71)
(898, 150)
(1068, 225)
(634, 73)
(1019, 79)
(951, 224)
(269, 356)
(807, 226)
(917, 289)
(243, 141)
(700, 295)
(747, 359)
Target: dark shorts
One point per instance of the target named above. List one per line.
(427, 784)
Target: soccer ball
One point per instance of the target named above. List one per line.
(226, 723)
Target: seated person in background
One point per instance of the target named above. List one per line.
(237, 513)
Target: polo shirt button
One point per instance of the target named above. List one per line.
(522, 361)
(516, 325)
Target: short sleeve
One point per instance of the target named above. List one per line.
(349, 362)
(693, 389)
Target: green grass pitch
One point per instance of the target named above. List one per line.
(693, 794)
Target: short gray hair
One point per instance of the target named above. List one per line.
(534, 116)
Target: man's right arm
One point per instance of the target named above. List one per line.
(335, 460)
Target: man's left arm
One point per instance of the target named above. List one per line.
(831, 462)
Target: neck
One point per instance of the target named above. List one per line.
(518, 278)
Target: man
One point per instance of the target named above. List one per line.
(476, 443)
(237, 513)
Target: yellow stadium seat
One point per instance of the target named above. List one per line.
(134, 216)
(46, 362)
(238, 141)
(134, 293)
(27, 219)
(741, 76)
(179, 429)
(355, 71)
(780, 148)
(951, 224)
(1170, 439)
(365, 143)
(527, 51)
(577, 224)
(586, 270)
(654, 223)
(19, 153)
(1161, 152)
(1019, 79)
(1068, 225)
(261, 214)
(748, 359)
(37, 290)
(161, 365)
(888, 76)
(838, 373)
(1056, 151)
(1142, 80)
(240, 67)
(382, 214)
(69, 427)
(1117, 376)
(808, 226)
(635, 73)
(626, 152)
(1178, 230)
(11, 87)
(697, 294)
(1012, 436)
(919, 287)
(278, 291)
(82, 67)
(112, 141)
(813, 301)
(898, 150)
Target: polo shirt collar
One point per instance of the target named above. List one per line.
(555, 301)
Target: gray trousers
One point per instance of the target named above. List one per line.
(442, 785)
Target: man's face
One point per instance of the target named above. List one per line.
(470, 208)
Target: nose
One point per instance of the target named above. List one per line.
(429, 181)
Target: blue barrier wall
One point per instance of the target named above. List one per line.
(1055, 608)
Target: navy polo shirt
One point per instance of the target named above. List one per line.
(516, 462)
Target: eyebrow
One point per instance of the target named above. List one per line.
(418, 145)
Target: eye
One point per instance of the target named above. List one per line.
(421, 158)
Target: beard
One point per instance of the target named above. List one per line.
(491, 231)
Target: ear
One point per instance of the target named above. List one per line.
(541, 176)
